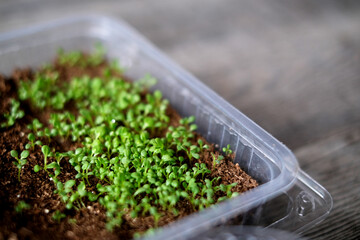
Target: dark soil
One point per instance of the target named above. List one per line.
(37, 189)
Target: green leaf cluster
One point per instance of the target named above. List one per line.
(123, 162)
(14, 114)
(21, 206)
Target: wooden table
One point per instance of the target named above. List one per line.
(291, 66)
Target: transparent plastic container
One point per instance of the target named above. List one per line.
(286, 199)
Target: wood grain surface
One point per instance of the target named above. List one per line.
(291, 66)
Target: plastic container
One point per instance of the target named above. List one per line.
(287, 197)
(247, 233)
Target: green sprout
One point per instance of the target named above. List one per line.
(227, 150)
(71, 58)
(20, 161)
(46, 152)
(21, 206)
(32, 139)
(72, 221)
(57, 216)
(227, 189)
(35, 126)
(14, 114)
(216, 160)
(97, 57)
(202, 145)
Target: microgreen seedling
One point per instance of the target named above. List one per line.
(216, 160)
(57, 216)
(46, 151)
(21, 206)
(31, 138)
(130, 161)
(35, 125)
(202, 145)
(14, 114)
(72, 221)
(20, 161)
(227, 150)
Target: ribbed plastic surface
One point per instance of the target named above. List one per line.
(287, 198)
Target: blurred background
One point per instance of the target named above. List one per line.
(291, 66)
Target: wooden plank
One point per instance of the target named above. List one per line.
(334, 162)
